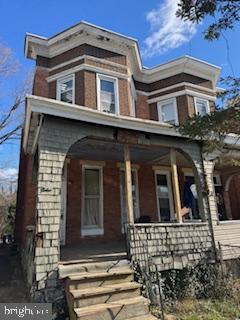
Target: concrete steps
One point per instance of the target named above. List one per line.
(103, 290)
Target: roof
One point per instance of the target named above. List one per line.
(85, 32)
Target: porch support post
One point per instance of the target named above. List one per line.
(128, 184)
(175, 182)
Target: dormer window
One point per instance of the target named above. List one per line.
(107, 93)
(167, 111)
(201, 106)
(65, 89)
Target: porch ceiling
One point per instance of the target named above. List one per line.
(90, 149)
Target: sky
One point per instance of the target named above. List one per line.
(161, 37)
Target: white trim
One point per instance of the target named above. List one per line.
(180, 93)
(62, 79)
(133, 97)
(201, 99)
(100, 77)
(64, 209)
(174, 86)
(85, 56)
(84, 32)
(35, 141)
(169, 183)
(71, 111)
(88, 67)
(92, 230)
(163, 102)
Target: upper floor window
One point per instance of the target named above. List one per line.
(167, 111)
(201, 106)
(65, 89)
(107, 94)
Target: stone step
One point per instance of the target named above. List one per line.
(118, 310)
(97, 279)
(73, 268)
(95, 258)
(144, 317)
(106, 293)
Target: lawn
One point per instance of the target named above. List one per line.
(226, 308)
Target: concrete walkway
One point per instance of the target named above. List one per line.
(12, 286)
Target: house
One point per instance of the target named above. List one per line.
(102, 163)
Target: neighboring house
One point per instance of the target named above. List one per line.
(100, 150)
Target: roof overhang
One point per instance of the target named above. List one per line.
(90, 34)
(36, 106)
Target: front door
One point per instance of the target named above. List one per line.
(63, 206)
(134, 196)
(164, 196)
(92, 201)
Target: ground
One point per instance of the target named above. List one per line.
(227, 308)
(12, 285)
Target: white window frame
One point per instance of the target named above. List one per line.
(163, 102)
(64, 79)
(169, 182)
(115, 82)
(137, 195)
(91, 230)
(196, 99)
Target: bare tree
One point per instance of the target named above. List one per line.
(10, 104)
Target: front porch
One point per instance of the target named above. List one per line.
(163, 186)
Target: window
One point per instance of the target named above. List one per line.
(190, 197)
(107, 94)
(167, 111)
(65, 89)
(201, 106)
(92, 202)
(164, 196)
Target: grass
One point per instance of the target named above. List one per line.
(227, 308)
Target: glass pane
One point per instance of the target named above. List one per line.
(65, 86)
(107, 96)
(168, 115)
(67, 96)
(107, 86)
(164, 209)
(163, 197)
(201, 107)
(92, 182)
(91, 214)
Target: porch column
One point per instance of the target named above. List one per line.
(177, 200)
(128, 184)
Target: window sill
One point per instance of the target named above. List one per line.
(229, 222)
(92, 232)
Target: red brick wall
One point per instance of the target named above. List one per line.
(147, 192)
(111, 201)
(124, 101)
(26, 199)
(40, 85)
(142, 107)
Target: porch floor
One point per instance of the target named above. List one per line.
(81, 253)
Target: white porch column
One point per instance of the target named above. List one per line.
(128, 184)
(175, 182)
